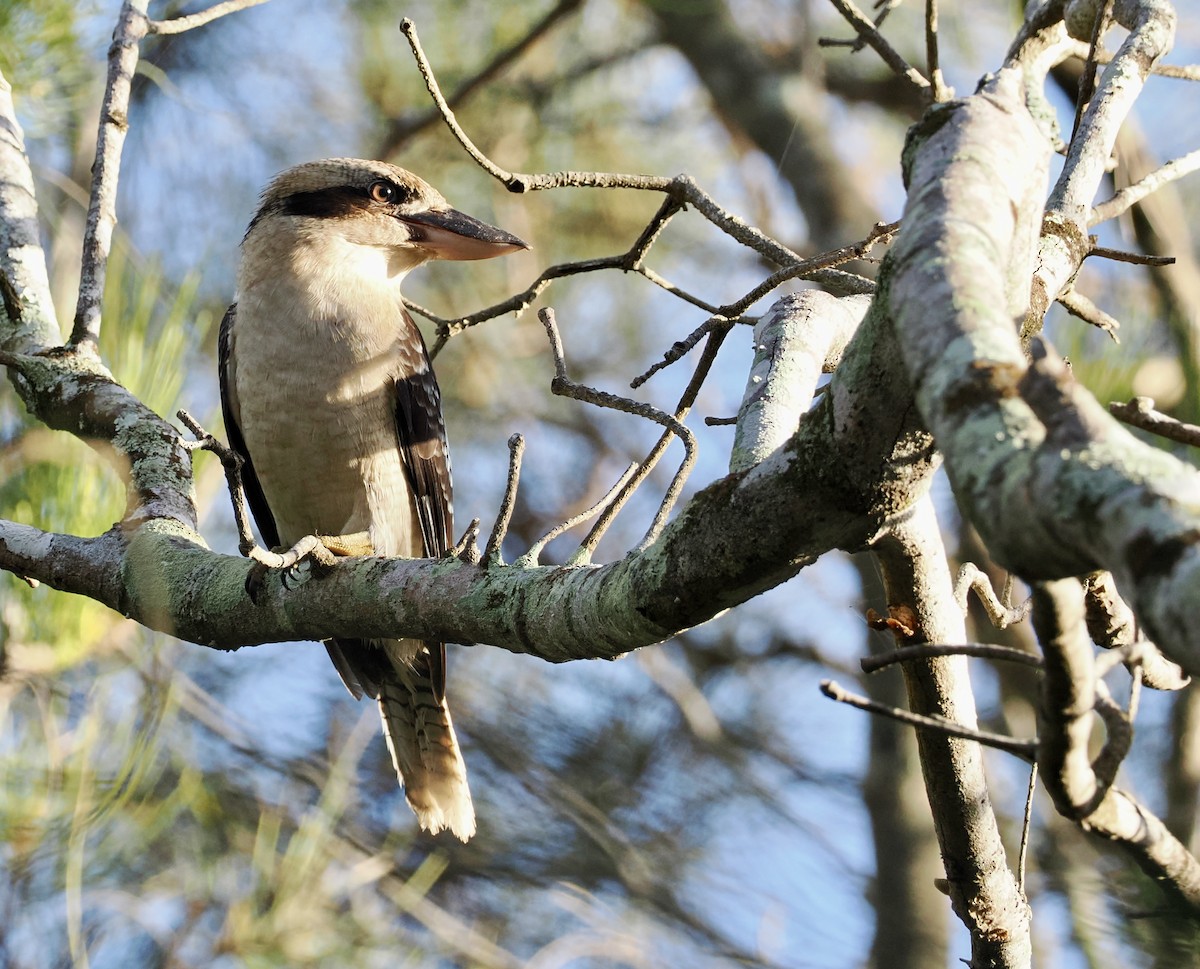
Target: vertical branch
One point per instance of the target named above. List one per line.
(982, 889)
(132, 26)
(939, 92)
(24, 280)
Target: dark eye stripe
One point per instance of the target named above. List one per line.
(326, 203)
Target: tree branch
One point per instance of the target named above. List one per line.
(1081, 790)
(132, 26)
(1055, 486)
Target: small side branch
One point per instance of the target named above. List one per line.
(873, 664)
(132, 26)
(1132, 194)
(565, 387)
(231, 462)
(1079, 306)
(939, 90)
(177, 25)
(1140, 412)
(1025, 749)
(682, 188)
(533, 555)
(1000, 611)
(402, 129)
(516, 451)
(870, 34)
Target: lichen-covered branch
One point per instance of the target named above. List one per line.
(1055, 486)
(983, 890)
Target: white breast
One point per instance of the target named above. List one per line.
(314, 357)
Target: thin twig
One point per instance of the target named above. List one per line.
(564, 386)
(231, 462)
(1087, 82)
(1026, 825)
(1079, 306)
(679, 349)
(177, 25)
(1025, 749)
(1182, 72)
(110, 140)
(491, 552)
(939, 90)
(1140, 412)
(466, 549)
(881, 231)
(534, 553)
(1137, 258)
(869, 32)
(873, 664)
(1000, 612)
(1130, 195)
(682, 188)
(402, 129)
(687, 399)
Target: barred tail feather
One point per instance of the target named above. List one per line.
(420, 736)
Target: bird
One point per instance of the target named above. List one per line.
(329, 397)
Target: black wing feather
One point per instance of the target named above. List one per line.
(254, 493)
(421, 432)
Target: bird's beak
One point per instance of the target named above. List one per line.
(450, 234)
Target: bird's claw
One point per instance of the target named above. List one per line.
(296, 575)
(296, 563)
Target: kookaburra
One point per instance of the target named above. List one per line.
(329, 397)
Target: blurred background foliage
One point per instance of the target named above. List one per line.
(695, 805)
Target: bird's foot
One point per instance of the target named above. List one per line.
(297, 561)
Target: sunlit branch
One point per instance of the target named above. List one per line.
(1140, 412)
(491, 551)
(177, 25)
(1132, 194)
(132, 26)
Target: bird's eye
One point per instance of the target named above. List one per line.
(384, 192)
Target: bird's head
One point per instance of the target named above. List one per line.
(374, 206)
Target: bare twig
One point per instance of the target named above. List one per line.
(491, 552)
(534, 553)
(1087, 82)
(1025, 749)
(1000, 612)
(873, 664)
(1026, 825)
(1182, 72)
(939, 90)
(809, 268)
(1137, 258)
(1130, 195)
(1140, 412)
(680, 349)
(177, 25)
(231, 462)
(1079, 306)
(402, 129)
(869, 32)
(564, 386)
(682, 188)
(132, 26)
(465, 548)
